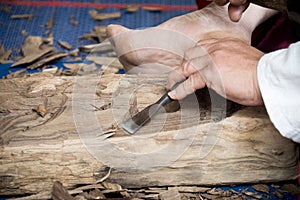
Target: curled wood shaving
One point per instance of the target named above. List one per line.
(105, 177)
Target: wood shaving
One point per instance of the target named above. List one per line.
(252, 194)
(261, 188)
(113, 187)
(103, 47)
(24, 32)
(41, 110)
(32, 45)
(72, 21)
(65, 45)
(60, 192)
(152, 8)
(100, 32)
(171, 194)
(49, 58)
(103, 16)
(4, 55)
(49, 24)
(131, 8)
(22, 16)
(278, 194)
(291, 188)
(31, 58)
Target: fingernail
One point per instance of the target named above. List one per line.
(172, 94)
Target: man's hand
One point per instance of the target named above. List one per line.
(226, 65)
(235, 8)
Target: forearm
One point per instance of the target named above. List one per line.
(279, 81)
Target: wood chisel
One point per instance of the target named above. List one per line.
(134, 123)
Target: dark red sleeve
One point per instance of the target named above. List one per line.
(273, 34)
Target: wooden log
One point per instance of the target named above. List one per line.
(79, 139)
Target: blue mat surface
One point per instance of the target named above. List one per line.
(10, 31)
(11, 37)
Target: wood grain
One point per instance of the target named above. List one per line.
(209, 150)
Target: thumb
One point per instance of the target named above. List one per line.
(235, 12)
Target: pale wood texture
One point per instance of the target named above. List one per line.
(36, 151)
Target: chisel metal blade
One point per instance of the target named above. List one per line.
(133, 124)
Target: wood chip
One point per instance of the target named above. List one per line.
(31, 45)
(96, 194)
(52, 57)
(101, 48)
(65, 45)
(49, 23)
(252, 194)
(24, 32)
(291, 188)
(152, 8)
(41, 110)
(105, 61)
(72, 21)
(100, 32)
(112, 186)
(4, 55)
(261, 188)
(60, 193)
(192, 189)
(17, 74)
(22, 16)
(74, 52)
(103, 16)
(49, 40)
(278, 194)
(52, 69)
(31, 58)
(171, 194)
(131, 8)
(215, 191)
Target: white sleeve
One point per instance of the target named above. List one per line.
(279, 81)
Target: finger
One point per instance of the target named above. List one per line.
(175, 77)
(191, 60)
(221, 2)
(189, 86)
(235, 12)
(194, 60)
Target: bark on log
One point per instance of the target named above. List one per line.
(79, 138)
